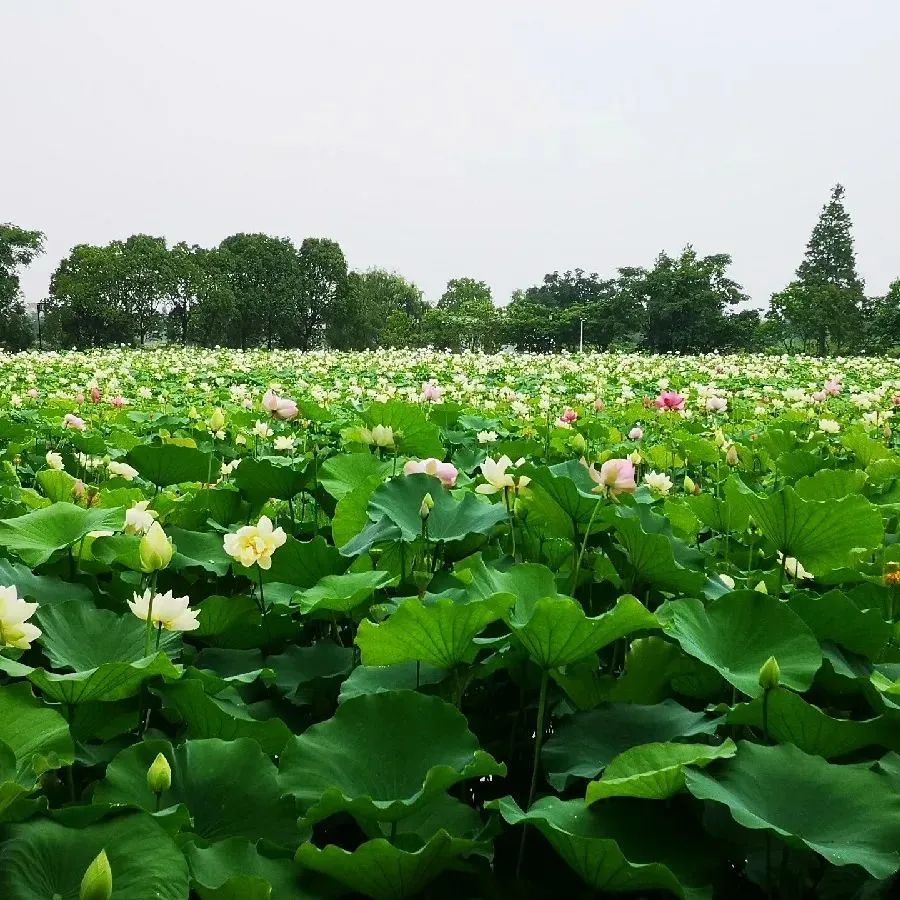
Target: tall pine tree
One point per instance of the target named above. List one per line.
(825, 303)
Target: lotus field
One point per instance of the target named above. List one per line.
(410, 624)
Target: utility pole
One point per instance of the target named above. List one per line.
(39, 308)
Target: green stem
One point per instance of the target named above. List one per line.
(587, 534)
(262, 597)
(149, 630)
(536, 764)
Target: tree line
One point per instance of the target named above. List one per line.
(255, 290)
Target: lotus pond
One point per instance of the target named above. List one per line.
(409, 624)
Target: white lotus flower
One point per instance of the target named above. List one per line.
(172, 613)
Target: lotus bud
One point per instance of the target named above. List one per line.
(731, 455)
(426, 506)
(578, 442)
(159, 775)
(217, 420)
(769, 674)
(97, 881)
(689, 485)
(887, 432)
(635, 458)
(193, 413)
(155, 549)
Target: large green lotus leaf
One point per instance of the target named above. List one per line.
(114, 550)
(200, 506)
(526, 582)
(653, 557)
(821, 534)
(14, 786)
(556, 631)
(864, 448)
(654, 771)
(622, 845)
(43, 859)
(341, 474)
(222, 716)
(831, 484)
(726, 514)
(199, 549)
(36, 734)
(737, 633)
(583, 744)
(382, 679)
(230, 788)
(559, 500)
(351, 515)
(43, 589)
(299, 563)
(400, 500)
(849, 815)
(260, 479)
(382, 756)
(165, 464)
(308, 674)
(340, 594)
(236, 622)
(380, 870)
(37, 535)
(791, 720)
(108, 682)
(414, 435)
(440, 633)
(77, 635)
(237, 869)
(835, 617)
(56, 484)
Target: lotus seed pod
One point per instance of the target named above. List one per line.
(159, 775)
(769, 674)
(97, 882)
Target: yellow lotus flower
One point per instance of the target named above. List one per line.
(15, 630)
(255, 544)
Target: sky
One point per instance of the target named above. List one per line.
(496, 140)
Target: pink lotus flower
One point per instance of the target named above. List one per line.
(32, 392)
(72, 421)
(118, 401)
(431, 392)
(670, 400)
(833, 387)
(616, 476)
(636, 433)
(95, 395)
(819, 396)
(279, 407)
(445, 471)
(896, 400)
(79, 398)
(599, 405)
(568, 416)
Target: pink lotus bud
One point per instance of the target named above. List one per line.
(832, 387)
(74, 422)
(79, 398)
(431, 392)
(95, 395)
(599, 405)
(819, 396)
(636, 433)
(32, 392)
(118, 401)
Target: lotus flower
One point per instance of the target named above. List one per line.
(670, 400)
(446, 472)
(171, 613)
(615, 476)
(255, 544)
(15, 629)
(280, 407)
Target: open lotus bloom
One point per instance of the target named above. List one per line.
(615, 476)
(498, 479)
(446, 472)
(164, 610)
(670, 400)
(279, 407)
(15, 629)
(253, 545)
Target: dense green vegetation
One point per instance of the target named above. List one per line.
(253, 290)
(411, 624)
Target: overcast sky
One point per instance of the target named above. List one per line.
(498, 139)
